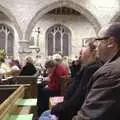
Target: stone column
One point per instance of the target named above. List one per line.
(24, 50)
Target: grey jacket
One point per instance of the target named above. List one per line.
(103, 98)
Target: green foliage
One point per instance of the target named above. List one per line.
(2, 54)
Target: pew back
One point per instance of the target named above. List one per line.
(6, 91)
(27, 80)
(9, 106)
(12, 105)
(64, 83)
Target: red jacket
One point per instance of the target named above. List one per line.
(54, 82)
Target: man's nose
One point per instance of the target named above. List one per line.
(98, 45)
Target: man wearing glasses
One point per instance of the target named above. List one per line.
(102, 101)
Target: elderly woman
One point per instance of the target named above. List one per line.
(55, 71)
(29, 68)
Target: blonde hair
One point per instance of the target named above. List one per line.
(57, 57)
(29, 60)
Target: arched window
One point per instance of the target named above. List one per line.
(58, 40)
(6, 39)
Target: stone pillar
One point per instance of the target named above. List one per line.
(24, 50)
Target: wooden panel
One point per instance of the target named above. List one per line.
(32, 80)
(8, 106)
(64, 80)
(6, 91)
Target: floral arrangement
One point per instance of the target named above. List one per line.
(2, 54)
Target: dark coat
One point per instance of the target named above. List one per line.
(103, 99)
(74, 69)
(67, 109)
(74, 84)
(28, 69)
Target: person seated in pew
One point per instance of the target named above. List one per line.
(4, 67)
(28, 68)
(74, 67)
(75, 94)
(102, 101)
(14, 69)
(17, 62)
(55, 70)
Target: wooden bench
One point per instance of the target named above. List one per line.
(6, 91)
(7, 80)
(9, 105)
(23, 80)
(32, 80)
(64, 83)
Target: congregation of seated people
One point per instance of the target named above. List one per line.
(75, 93)
(12, 67)
(93, 92)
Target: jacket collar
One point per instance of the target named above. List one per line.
(114, 57)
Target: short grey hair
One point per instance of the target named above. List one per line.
(114, 31)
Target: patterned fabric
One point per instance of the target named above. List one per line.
(47, 116)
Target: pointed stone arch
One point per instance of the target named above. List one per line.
(116, 17)
(12, 20)
(91, 18)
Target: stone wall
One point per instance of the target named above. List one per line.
(79, 27)
(23, 15)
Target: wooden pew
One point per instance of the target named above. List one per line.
(9, 106)
(64, 83)
(7, 80)
(6, 91)
(32, 80)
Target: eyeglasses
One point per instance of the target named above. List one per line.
(102, 38)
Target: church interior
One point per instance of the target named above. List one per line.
(26, 25)
(39, 29)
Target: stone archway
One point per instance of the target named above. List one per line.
(116, 17)
(13, 20)
(70, 4)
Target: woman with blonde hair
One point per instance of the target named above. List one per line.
(29, 68)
